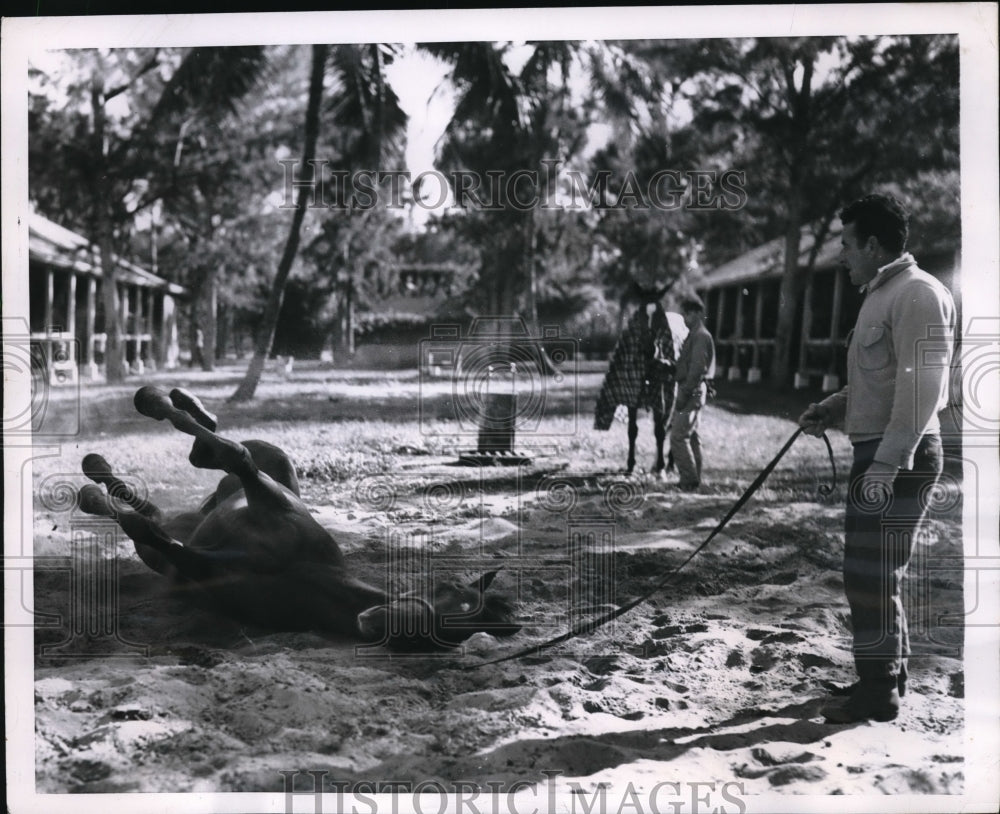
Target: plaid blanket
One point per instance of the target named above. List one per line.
(641, 373)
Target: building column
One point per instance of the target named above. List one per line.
(150, 330)
(170, 344)
(123, 295)
(754, 374)
(71, 307)
(720, 313)
(71, 325)
(139, 320)
(801, 377)
(831, 381)
(50, 295)
(719, 310)
(734, 369)
(89, 359)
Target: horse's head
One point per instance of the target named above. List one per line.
(445, 618)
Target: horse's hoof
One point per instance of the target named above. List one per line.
(152, 402)
(191, 404)
(97, 469)
(94, 501)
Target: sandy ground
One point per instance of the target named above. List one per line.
(718, 680)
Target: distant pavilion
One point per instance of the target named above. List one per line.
(67, 315)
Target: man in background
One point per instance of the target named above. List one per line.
(898, 362)
(695, 366)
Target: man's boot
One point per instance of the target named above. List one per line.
(850, 688)
(874, 699)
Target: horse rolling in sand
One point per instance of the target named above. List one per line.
(256, 552)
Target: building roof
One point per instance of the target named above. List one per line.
(767, 261)
(54, 245)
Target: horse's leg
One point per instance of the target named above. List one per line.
(633, 432)
(201, 453)
(229, 456)
(660, 432)
(269, 459)
(668, 411)
(188, 402)
(151, 542)
(99, 471)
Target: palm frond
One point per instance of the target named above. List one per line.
(212, 81)
(364, 101)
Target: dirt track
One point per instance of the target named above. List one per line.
(718, 680)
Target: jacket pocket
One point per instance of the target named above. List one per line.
(874, 348)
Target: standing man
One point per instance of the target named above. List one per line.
(695, 365)
(898, 361)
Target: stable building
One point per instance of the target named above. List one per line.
(67, 317)
(741, 300)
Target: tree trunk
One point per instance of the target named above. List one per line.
(345, 319)
(209, 321)
(114, 353)
(529, 267)
(790, 295)
(272, 311)
(193, 327)
(225, 323)
(548, 368)
(349, 316)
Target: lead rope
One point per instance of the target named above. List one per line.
(590, 625)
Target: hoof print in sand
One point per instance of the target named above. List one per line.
(781, 770)
(764, 658)
(89, 771)
(602, 665)
(789, 774)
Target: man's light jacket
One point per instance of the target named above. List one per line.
(898, 362)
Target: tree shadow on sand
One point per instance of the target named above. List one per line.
(531, 760)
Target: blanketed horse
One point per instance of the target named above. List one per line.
(641, 375)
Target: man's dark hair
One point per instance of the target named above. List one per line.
(881, 217)
(692, 304)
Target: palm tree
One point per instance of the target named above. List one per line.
(504, 121)
(248, 386)
(370, 129)
(363, 102)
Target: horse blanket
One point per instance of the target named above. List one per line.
(641, 373)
